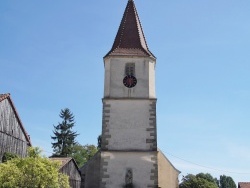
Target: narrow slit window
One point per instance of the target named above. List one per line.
(130, 69)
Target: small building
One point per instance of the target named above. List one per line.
(13, 136)
(244, 185)
(90, 172)
(70, 168)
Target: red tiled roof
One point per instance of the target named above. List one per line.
(244, 185)
(130, 38)
(7, 96)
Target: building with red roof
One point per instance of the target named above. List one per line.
(244, 185)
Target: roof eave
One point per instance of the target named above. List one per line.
(147, 53)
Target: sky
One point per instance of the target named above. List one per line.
(51, 58)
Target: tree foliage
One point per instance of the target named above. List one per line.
(207, 177)
(8, 156)
(226, 182)
(83, 153)
(64, 137)
(33, 171)
(198, 181)
(202, 180)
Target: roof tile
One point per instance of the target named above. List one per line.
(130, 39)
(4, 96)
(244, 185)
(63, 161)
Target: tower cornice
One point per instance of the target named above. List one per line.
(128, 98)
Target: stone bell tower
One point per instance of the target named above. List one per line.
(129, 157)
(129, 142)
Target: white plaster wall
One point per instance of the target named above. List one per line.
(127, 126)
(107, 78)
(119, 162)
(152, 93)
(115, 72)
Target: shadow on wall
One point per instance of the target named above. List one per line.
(128, 186)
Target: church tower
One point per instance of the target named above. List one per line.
(129, 157)
(129, 142)
(129, 122)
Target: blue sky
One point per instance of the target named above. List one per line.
(51, 58)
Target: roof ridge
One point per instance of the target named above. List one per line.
(4, 96)
(62, 159)
(245, 182)
(140, 29)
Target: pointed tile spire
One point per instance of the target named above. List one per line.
(130, 38)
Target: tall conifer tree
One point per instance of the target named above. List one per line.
(64, 136)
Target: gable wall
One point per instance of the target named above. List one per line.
(71, 170)
(11, 135)
(168, 175)
(90, 172)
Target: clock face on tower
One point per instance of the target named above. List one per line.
(129, 81)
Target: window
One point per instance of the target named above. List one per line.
(130, 69)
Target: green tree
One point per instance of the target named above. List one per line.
(8, 156)
(198, 181)
(33, 171)
(226, 182)
(83, 153)
(64, 137)
(208, 177)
